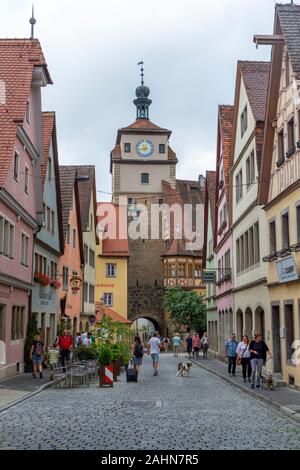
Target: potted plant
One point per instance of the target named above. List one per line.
(116, 361)
(105, 359)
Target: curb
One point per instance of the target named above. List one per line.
(27, 396)
(282, 408)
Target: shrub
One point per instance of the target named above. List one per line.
(84, 353)
(105, 355)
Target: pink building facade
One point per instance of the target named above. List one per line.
(222, 235)
(23, 71)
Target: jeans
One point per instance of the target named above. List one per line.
(256, 365)
(231, 364)
(205, 349)
(196, 352)
(64, 356)
(176, 349)
(246, 364)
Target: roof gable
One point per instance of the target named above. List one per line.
(18, 57)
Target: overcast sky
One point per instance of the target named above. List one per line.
(190, 49)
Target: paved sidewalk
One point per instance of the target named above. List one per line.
(20, 387)
(284, 398)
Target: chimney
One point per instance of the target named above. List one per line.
(201, 180)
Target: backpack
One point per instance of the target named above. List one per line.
(38, 349)
(138, 350)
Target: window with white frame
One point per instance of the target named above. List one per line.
(52, 222)
(65, 278)
(272, 236)
(17, 323)
(111, 270)
(74, 237)
(92, 258)
(40, 264)
(85, 292)
(108, 299)
(48, 219)
(49, 169)
(91, 294)
(27, 115)
(7, 231)
(250, 170)
(86, 253)
(285, 230)
(24, 249)
(239, 186)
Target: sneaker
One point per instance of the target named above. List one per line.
(245, 380)
(41, 375)
(252, 385)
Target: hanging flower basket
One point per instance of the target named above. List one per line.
(42, 279)
(55, 284)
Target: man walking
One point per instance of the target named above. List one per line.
(230, 352)
(65, 344)
(154, 349)
(176, 344)
(196, 345)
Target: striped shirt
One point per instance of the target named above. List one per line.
(231, 348)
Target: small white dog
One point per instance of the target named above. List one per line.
(184, 368)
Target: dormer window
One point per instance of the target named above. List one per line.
(27, 112)
(127, 147)
(244, 121)
(162, 148)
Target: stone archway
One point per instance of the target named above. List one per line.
(239, 324)
(260, 321)
(248, 323)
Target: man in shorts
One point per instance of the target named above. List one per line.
(153, 349)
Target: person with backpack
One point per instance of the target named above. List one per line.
(137, 353)
(36, 355)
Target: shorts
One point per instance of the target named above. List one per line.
(37, 359)
(137, 361)
(155, 357)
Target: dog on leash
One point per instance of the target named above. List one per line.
(269, 383)
(184, 368)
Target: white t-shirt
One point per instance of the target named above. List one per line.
(154, 345)
(243, 350)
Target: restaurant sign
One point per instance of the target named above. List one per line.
(286, 270)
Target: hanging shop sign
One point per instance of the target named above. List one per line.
(286, 270)
(75, 284)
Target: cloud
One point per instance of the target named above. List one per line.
(190, 51)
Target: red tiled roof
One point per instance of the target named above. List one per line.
(144, 124)
(114, 246)
(18, 57)
(104, 310)
(289, 16)
(85, 190)
(225, 125)
(48, 119)
(256, 79)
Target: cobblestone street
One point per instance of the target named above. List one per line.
(163, 412)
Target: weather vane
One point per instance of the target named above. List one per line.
(32, 21)
(142, 72)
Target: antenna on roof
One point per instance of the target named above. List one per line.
(142, 72)
(32, 21)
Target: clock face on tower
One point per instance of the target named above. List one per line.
(145, 148)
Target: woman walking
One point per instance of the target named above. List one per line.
(243, 355)
(137, 353)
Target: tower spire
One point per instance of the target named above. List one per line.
(141, 63)
(32, 21)
(142, 102)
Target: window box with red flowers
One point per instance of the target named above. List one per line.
(42, 279)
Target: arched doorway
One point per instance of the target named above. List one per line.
(239, 324)
(248, 323)
(260, 321)
(145, 327)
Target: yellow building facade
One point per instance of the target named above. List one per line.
(111, 266)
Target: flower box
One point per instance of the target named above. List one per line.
(55, 284)
(42, 279)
